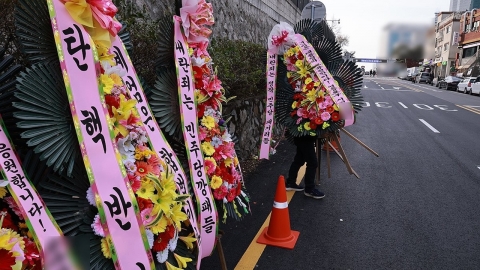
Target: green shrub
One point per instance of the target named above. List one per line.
(241, 67)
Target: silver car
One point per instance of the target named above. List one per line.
(465, 85)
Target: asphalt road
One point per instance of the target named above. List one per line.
(417, 206)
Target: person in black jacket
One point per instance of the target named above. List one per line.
(305, 153)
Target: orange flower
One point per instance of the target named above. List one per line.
(143, 168)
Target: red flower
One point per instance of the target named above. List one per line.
(134, 181)
(335, 116)
(200, 110)
(7, 259)
(300, 55)
(143, 168)
(220, 192)
(144, 203)
(232, 193)
(293, 113)
(170, 231)
(31, 252)
(160, 243)
(330, 109)
(239, 189)
(318, 121)
(310, 86)
(313, 125)
(112, 101)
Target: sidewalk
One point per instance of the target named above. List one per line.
(260, 184)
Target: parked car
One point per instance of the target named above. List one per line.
(424, 77)
(465, 85)
(476, 86)
(450, 82)
(411, 77)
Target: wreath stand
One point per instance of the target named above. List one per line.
(221, 255)
(340, 152)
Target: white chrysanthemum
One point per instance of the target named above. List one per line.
(172, 244)
(216, 141)
(149, 238)
(115, 69)
(125, 145)
(226, 137)
(198, 61)
(162, 256)
(91, 197)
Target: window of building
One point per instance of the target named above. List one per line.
(445, 46)
(469, 51)
(448, 29)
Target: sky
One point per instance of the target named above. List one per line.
(362, 21)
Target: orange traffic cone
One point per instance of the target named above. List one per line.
(278, 232)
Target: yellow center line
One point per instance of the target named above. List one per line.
(474, 110)
(254, 251)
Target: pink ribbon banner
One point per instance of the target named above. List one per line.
(269, 106)
(40, 223)
(207, 214)
(326, 79)
(116, 202)
(157, 140)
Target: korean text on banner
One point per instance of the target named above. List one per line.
(327, 80)
(270, 105)
(208, 218)
(119, 214)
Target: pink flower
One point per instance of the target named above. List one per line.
(325, 116)
(201, 48)
(97, 226)
(328, 101)
(202, 133)
(13, 205)
(103, 11)
(323, 105)
(147, 216)
(300, 112)
(220, 192)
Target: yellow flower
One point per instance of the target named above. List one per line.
(290, 52)
(336, 108)
(307, 126)
(161, 203)
(107, 83)
(308, 80)
(207, 148)
(177, 216)
(106, 248)
(141, 154)
(312, 95)
(208, 122)
(116, 79)
(171, 267)
(168, 184)
(3, 192)
(103, 53)
(325, 125)
(316, 84)
(235, 161)
(303, 72)
(146, 190)
(294, 105)
(299, 63)
(228, 162)
(160, 226)
(216, 182)
(125, 109)
(190, 51)
(188, 240)
(181, 261)
(200, 97)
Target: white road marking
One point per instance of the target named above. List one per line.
(429, 126)
(396, 88)
(365, 86)
(403, 105)
(382, 88)
(478, 167)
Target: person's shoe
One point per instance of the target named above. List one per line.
(294, 186)
(314, 193)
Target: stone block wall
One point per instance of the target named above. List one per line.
(247, 119)
(249, 20)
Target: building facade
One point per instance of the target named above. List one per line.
(446, 43)
(460, 5)
(469, 43)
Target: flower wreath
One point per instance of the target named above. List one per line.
(17, 247)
